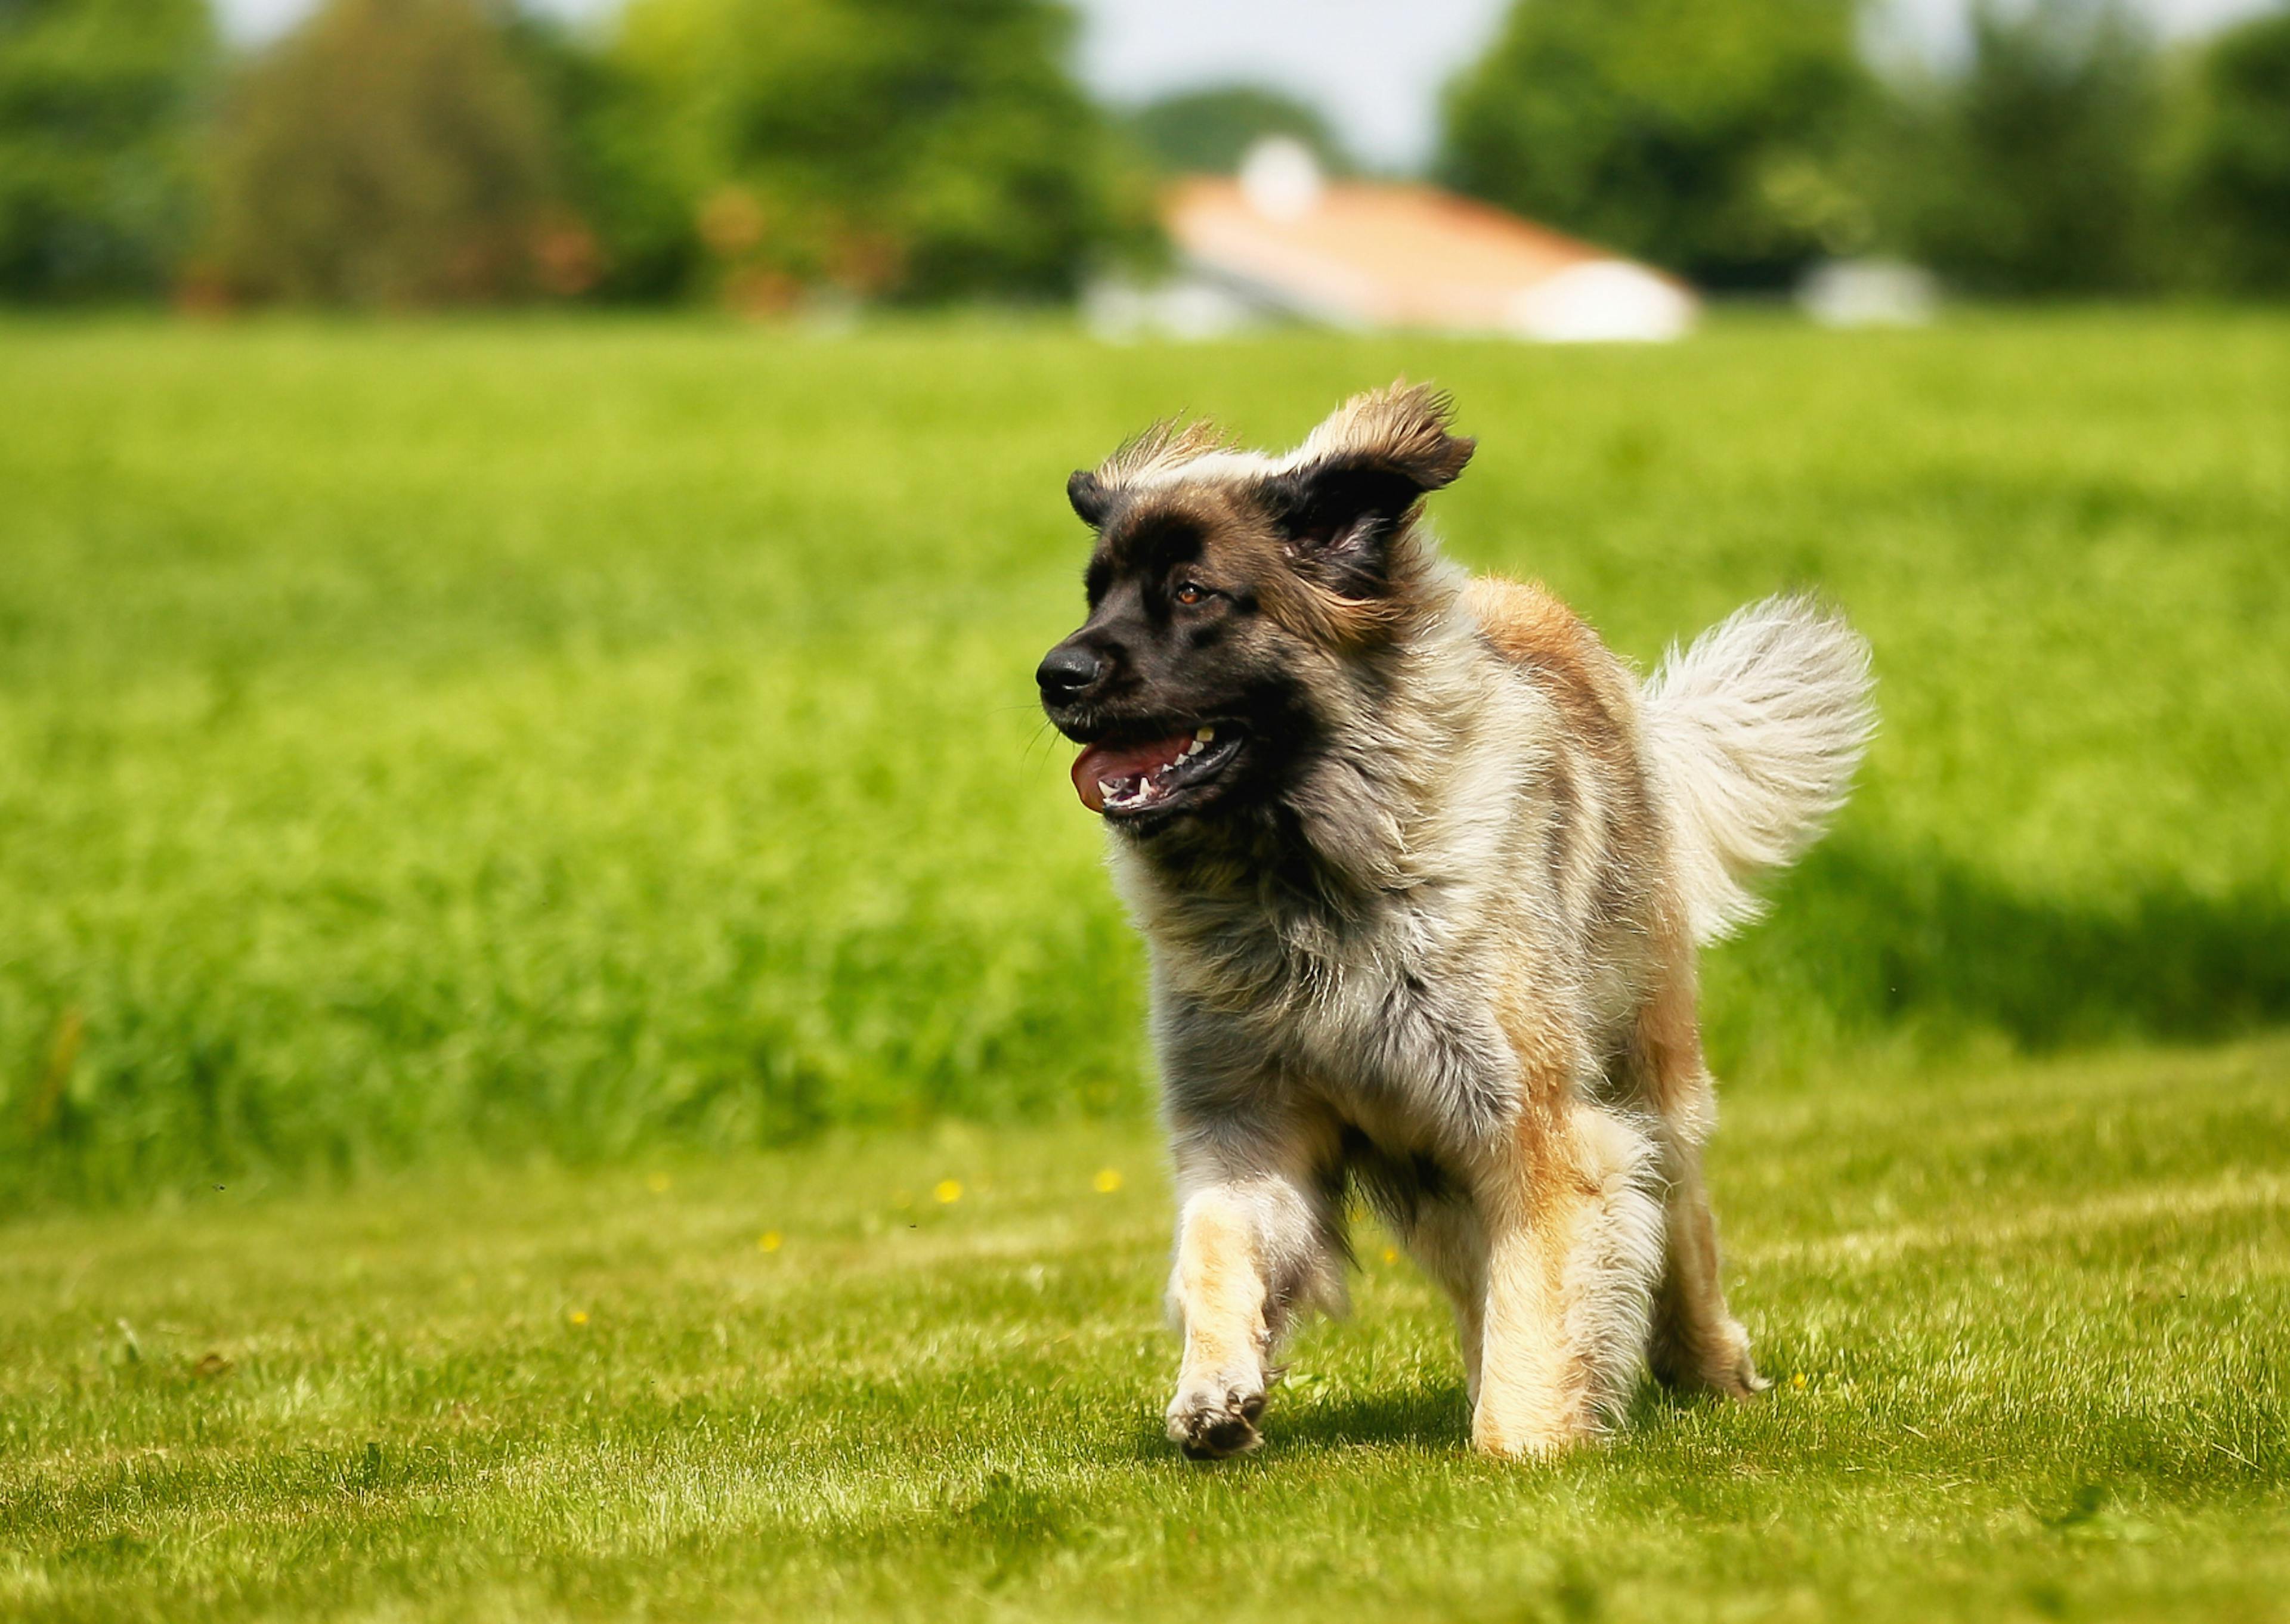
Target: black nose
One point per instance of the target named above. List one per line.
(1066, 672)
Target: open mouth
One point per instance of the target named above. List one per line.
(1122, 781)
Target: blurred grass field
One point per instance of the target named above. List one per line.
(2025, 1323)
(574, 741)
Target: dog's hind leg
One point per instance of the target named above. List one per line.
(1697, 1344)
(1575, 1239)
(1447, 1242)
(1251, 1249)
(1431, 1212)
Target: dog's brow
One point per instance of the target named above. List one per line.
(1161, 542)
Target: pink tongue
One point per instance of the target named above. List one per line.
(1114, 763)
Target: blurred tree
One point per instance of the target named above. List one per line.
(1704, 137)
(606, 158)
(915, 149)
(2231, 171)
(96, 189)
(1206, 132)
(2030, 171)
(390, 153)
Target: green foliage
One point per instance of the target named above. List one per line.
(2232, 179)
(1707, 138)
(96, 192)
(2025, 1326)
(606, 158)
(2030, 172)
(388, 153)
(1208, 131)
(576, 738)
(914, 148)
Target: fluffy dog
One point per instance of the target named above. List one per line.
(1423, 867)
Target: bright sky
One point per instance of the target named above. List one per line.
(1377, 77)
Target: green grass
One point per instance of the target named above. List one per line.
(466, 792)
(424, 741)
(2027, 1322)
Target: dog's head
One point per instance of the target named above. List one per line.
(1227, 589)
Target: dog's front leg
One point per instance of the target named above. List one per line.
(1574, 1239)
(1249, 1249)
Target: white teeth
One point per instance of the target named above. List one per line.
(1128, 791)
(1206, 735)
(1194, 749)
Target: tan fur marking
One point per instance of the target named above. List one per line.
(1531, 1398)
(1528, 624)
(1697, 1343)
(1220, 1287)
(1664, 1055)
(1590, 688)
(1402, 426)
(1567, 1288)
(1166, 445)
(1528, 1403)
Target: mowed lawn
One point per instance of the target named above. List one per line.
(2026, 1324)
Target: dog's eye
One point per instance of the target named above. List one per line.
(1189, 592)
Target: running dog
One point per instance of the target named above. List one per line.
(1423, 867)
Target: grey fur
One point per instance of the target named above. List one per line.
(1429, 969)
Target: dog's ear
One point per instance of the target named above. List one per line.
(1090, 498)
(1168, 445)
(1356, 481)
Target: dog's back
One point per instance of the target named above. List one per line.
(1747, 739)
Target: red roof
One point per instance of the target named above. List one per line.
(1377, 253)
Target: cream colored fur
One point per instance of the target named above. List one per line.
(1755, 731)
(1453, 969)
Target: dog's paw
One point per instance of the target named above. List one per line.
(1729, 1371)
(1718, 1363)
(1216, 1423)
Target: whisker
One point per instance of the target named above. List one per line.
(1045, 736)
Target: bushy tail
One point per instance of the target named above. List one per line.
(1753, 734)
